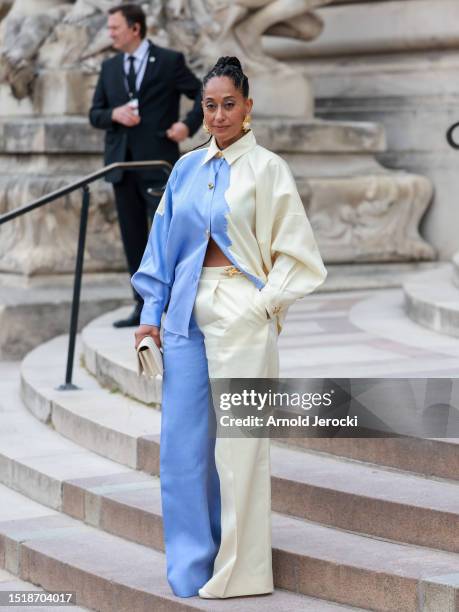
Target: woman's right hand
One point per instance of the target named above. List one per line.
(147, 330)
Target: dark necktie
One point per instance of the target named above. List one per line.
(131, 77)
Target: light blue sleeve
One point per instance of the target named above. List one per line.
(153, 278)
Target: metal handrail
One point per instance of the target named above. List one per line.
(449, 136)
(165, 166)
(90, 178)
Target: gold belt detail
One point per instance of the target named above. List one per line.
(232, 271)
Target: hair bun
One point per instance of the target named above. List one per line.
(228, 61)
(230, 67)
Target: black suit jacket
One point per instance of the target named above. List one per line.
(166, 78)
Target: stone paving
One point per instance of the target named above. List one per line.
(358, 334)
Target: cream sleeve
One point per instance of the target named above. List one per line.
(297, 267)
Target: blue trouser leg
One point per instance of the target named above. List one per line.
(190, 488)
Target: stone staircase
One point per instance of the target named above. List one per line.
(10, 583)
(357, 524)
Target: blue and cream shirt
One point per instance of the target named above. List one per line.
(245, 197)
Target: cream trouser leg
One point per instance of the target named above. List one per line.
(240, 342)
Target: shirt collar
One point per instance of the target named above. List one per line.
(139, 53)
(234, 151)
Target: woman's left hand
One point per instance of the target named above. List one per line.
(147, 330)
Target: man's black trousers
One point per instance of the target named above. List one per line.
(136, 208)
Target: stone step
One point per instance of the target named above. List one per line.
(46, 135)
(366, 498)
(407, 350)
(107, 422)
(109, 573)
(427, 457)
(308, 559)
(393, 346)
(16, 587)
(432, 300)
(108, 354)
(33, 310)
(346, 494)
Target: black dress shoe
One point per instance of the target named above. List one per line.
(133, 319)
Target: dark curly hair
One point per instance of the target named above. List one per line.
(231, 68)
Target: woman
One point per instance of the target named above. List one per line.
(229, 250)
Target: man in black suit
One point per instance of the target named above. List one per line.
(137, 102)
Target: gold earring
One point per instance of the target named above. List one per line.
(205, 127)
(246, 124)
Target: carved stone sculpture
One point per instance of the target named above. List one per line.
(374, 218)
(202, 29)
(26, 27)
(5, 6)
(236, 28)
(44, 241)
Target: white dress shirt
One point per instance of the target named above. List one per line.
(140, 62)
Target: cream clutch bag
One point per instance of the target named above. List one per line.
(149, 358)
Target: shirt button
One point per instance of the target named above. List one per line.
(218, 154)
(211, 185)
(207, 233)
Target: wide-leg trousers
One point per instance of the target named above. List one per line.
(216, 491)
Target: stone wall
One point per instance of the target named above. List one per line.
(395, 62)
